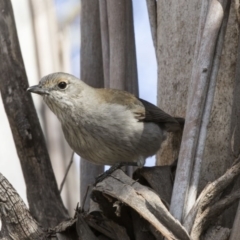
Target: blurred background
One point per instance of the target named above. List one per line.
(49, 35)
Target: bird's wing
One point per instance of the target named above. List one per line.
(156, 115)
(143, 111)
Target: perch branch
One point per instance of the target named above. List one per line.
(144, 201)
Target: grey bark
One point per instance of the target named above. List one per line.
(235, 131)
(15, 217)
(123, 64)
(220, 132)
(218, 142)
(218, 233)
(176, 38)
(210, 194)
(196, 103)
(105, 41)
(195, 175)
(144, 201)
(45, 202)
(91, 73)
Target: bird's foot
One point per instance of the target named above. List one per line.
(113, 168)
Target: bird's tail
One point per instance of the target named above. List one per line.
(181, 121)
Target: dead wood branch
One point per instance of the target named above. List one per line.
(107, 227)
(218, 233)
(210, 193)
(211, 213)
(144, 201)
(159, 178)
(16, 219)
(83, 229)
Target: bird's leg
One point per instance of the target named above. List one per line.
(113, 168)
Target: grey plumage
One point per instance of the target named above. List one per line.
(105, 126)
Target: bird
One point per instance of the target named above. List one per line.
(105, 126)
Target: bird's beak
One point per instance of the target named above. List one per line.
(37, 89)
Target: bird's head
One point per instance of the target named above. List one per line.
(59, 90)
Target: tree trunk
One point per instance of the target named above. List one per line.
(176, 43)
(176, 37)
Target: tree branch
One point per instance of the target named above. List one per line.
(211, 213)
(210, 193)
(16, 219)
(144, 201)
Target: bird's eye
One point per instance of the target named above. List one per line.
(62, 85)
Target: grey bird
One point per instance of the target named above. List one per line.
(105, 126)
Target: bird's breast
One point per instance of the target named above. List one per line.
(111, 134)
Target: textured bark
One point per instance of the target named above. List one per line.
(142, 200)
(195, 175)
(176, 38)
(218, 142)
(159, 178)
(15, 217)
(220, 132)
(210, 194)
(235, 132)
(210, 214)
(42, 192)
(83, 229)
(201, 75)
(91, 73)
(218, 233)
(123, 65)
